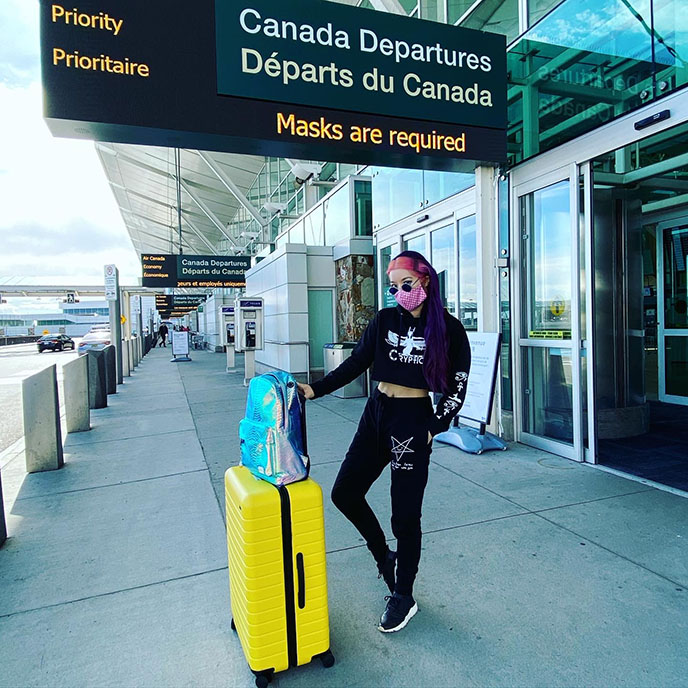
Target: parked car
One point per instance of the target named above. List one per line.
(95, 341)
(103, 327)
(55, 342)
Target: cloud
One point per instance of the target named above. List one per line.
(59, 218)
(19, 42)
(49, 240)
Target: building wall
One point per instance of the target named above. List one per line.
(282, 280)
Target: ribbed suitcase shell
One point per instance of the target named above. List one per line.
(259, 579)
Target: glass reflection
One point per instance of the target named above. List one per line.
(443, 252)
(468, 275)
(548, 393)
(548, 251)
(337, 210)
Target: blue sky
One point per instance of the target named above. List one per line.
(59, 222)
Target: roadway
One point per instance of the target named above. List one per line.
(17, 362)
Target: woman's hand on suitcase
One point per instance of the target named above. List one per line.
(306, 390)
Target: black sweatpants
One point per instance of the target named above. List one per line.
(393, 431)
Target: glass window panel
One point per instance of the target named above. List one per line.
(396, 194)
(385, 258)
(431, 9)
(457, 8)
(676, 364)
(415, 244)
(468, 275)
(313, 227)
(583, 64)
(296, 234)
(443, 259)
(537, 9)
(548, 393)
(496, 17)
(675, 282)
(338, 216)
(363, 207)
(440, 185)
(671, 44)
(547, 251)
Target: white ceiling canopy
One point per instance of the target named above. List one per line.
(213, 187)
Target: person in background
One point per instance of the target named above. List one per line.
(162, 332)
(414, 348)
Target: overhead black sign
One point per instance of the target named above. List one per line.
(164, 270)
(305, 78)
(169, 301)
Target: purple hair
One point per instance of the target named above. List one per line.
(436, 361)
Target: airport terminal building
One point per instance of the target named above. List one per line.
(574, 250)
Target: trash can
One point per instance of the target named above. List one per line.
(333, 355)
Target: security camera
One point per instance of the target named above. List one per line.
(273, 208)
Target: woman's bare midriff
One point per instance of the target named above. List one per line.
(392, 390)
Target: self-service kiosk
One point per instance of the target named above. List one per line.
(229, 335)
(248, 316)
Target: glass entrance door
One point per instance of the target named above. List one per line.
(549, 343)
(672, 326)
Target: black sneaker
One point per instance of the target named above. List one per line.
(400, 609)
(386, 570)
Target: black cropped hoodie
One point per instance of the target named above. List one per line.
(394, 344)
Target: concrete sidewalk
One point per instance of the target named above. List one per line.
(536, 571)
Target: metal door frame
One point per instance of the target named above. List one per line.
(661, 362)
(518, 190)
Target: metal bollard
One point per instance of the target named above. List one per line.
(97, 384)
(125, 359)
(111, 369)
(42, 432)
(76, 395)
(3, 523)
(132, 363)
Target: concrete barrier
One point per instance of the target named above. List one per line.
(130, 347)
(97, 383)
(3, 524)
(76, 395)
(111, 369)
(125, 359)
(42, 432)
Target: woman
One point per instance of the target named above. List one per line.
(414, 348)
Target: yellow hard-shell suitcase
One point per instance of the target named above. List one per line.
(277, 572)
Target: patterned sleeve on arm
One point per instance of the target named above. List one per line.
(460, 364)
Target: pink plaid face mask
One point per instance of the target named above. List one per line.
(410, 300)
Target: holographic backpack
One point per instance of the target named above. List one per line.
(273, 433)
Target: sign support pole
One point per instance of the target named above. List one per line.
(112, 294)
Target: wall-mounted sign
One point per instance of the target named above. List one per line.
(164, 270)
(303, 79)
(111, 277)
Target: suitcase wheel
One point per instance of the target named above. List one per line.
(232, 624)
(263, 678)
(327, 659)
